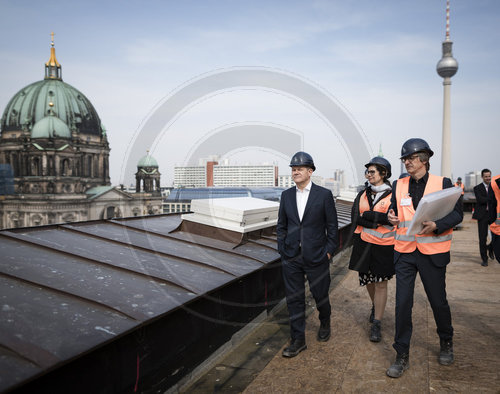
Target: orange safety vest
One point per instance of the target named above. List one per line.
(495, 226)
(462, 186)
(383, 234)
(427, 243)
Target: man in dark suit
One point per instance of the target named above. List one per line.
(481, 215)
(307, 238)
(427, 253)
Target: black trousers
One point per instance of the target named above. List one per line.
(482, 229)
(318, 277)
(434, 281)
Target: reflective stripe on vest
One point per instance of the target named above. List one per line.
(382, 235)
(424, 240)
(495, 226)
(404, 224)
(375, 233)
(427, 243)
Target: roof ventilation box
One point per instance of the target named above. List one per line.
(233, 219)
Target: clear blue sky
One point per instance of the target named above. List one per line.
(377, 58)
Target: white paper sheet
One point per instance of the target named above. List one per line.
(434, 206)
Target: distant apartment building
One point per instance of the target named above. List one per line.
(333, 185)
(195, 176)
(472, 179)
(245, 176)
(339, 176)
(285, 181)
(211, 173)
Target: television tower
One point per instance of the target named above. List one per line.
(446, 68)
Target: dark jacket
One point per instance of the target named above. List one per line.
(480, 211)
(316, 234)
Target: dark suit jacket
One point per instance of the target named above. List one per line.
(316, 234)
(481, 202)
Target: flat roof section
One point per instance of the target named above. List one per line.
(72, 290)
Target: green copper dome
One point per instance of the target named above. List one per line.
(147, 161)
(50, 127)
(33, 103)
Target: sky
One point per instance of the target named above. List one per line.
(374, 61)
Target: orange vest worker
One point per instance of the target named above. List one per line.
(495, 226)
(426, 243)
(382, 235)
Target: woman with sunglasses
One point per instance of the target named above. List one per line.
(373, 243)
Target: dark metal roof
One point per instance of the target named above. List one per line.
(67, 289)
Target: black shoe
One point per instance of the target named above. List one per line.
(446, 353)
(401, 364)
(324, 331)
(372, 314)
(484, 263)
(375, 335)
(296, 346)
(490, 252)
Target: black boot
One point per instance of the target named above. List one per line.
(446, 354)
(324, 331)
(401, 364)
(296, 346)
(375, 335)
(372, 314)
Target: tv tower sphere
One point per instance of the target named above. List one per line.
(448, 65)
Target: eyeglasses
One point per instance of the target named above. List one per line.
(409, 158)
(371, 172)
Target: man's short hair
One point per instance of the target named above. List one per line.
(484, 170)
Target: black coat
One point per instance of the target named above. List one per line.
(314, 236)
(481, 194)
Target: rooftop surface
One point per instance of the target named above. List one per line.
(349, 362)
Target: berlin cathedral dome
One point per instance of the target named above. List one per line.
(54, 159)
(52, 138)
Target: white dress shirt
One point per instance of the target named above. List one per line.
(302, 196)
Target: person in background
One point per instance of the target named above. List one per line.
(494, 215)
(427, 253)
(459, 183)
(481, 215)
(307, 231)
(373, 244)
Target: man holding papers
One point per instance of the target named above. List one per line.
(427, 252)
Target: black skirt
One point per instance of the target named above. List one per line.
(371, 258)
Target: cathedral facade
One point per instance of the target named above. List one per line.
(54, 153)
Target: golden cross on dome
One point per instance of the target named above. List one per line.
(52, 38)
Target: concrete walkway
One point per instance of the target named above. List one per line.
(349, 362)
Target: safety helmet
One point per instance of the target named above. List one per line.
(414, 145)
(377, 160)
(302, 159)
